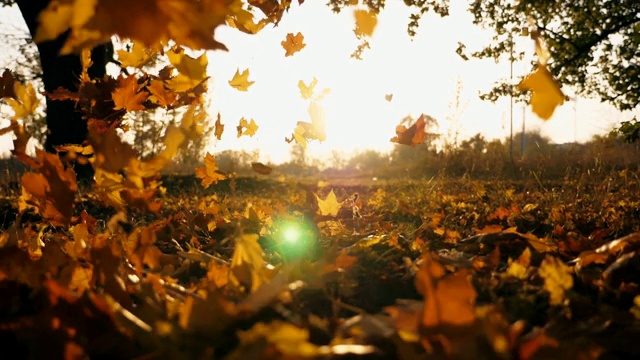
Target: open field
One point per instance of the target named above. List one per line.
(261, 268)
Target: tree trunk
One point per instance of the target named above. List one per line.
(64, 123)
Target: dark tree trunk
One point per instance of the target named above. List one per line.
(64, 123)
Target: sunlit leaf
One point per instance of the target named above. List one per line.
(366, 22)
(293, 43)
(557, 279)
(209, 174)
(329, 206)
(241, 81)
(546, 94)
(247, 128)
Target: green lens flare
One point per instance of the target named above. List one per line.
(291, 233)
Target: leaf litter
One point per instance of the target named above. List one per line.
(213, 280)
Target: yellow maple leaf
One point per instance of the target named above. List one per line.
(209, 174)
(293, 43)
(247, 264)
(242, 19)
(188, 23)
(366, 22)
(546, 94)
(127, 95)
(138, 55)
(219, 128)
(241, 81)
(247, 128)
(25, 101)
(191, 71)
(307, 90)
(160, 95)
(328, 206)
(557, 278)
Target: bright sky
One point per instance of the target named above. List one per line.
(420, 72)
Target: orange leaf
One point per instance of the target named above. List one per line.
(261, 168)
(413, 135)
(448, 300)
(219, 128)
(293, 43)
(160, 95)
(210, 174)
(126, 95)
(51, 191)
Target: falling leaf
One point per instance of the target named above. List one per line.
(191, 71)
(306, 91)
(413, 135)
(293, 43)
(128, 95)
(388, 97)
(448, 299)
(557, 278)
(209, 174)
(261, 168)
(52, 190)
(247, 263)
(546, 94)
(366, 22)
(328, 206)
(160, 95)
(138, 55)
(247, 128)
(219, 128)
(187, 23)
(241, 81)
(25, 102)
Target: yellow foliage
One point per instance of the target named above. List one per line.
(557, 279)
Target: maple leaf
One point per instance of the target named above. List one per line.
(189, 23)
(557, 278)
(413, 135)
(25, 102)
(366, 22)
(546, 94)
(328, 206)
(160, 95)
(261, 168)
(127, 95)
(209, 174)
(219, 128)
(306, 91)
(138, 55)
(247, 263)
(293, 43)
(52, 190)
(241, 81)
(247, 128)
(242, 19)
(388, 97)
(448, 299)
